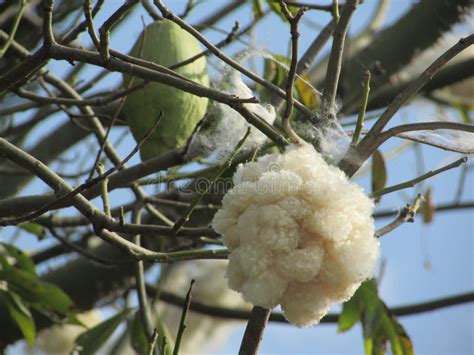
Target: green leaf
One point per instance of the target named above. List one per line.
(90, 341)
(379, 326)
(33, 228)
(139, 340)
(41, 295)
(257, 9)
(165, 341)
(306, 93)
(274, 72)
(275, 6)
(464, 112)
(23, 261)
(349, 316)
(379, 173)
(20, 314)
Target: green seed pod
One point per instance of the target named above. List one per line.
(165, 43)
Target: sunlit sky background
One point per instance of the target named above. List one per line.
(446, 244)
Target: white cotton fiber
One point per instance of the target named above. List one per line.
(300, 234)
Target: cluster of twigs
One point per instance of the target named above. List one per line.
(99, 115)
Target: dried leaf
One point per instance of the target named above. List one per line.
(428, 207)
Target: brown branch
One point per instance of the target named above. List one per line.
(308, 5)
(254, 331)
(219, 14)
(369, 143)
(67, 245)
(314, 48)
(219, 54)
(104, 30)
(422, 126)
(415, 181)
(424, 23)
(229, 38)
(240, 314)
(449, 148)
(87, 7)
(121, 178)
(448, 75)
(406, 215)
(335, 59)
(96, 101)
(71, 36)
(293, 20)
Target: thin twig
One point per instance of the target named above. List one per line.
(87, 254)
(230, 37)
(413, 182)
(423, 140)
(71, 36)
(335, 59)
(293, 20)
(243, 314)
(144, 307)
(189, 7)
(421, 126)
(439, 208)
(48, 35)
(152, 343)
(314, 48)
(70, 195)
(185, 217)
(219, 14)
(16, 22)
(182, 322)
(104, 191)
(104, 30)
(406, 215)
(87, 7)
(219, 54)
(369, 143)
(150, 10)
(309, 6)
(97, 101)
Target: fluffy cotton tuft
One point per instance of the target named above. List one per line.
(300, 234)
(231, 126)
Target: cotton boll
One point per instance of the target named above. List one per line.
(306, 226)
